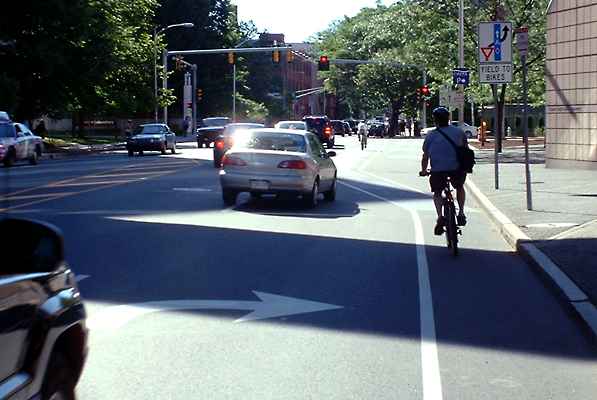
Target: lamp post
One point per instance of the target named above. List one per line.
(157, 32)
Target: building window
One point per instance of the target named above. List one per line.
(531, 124)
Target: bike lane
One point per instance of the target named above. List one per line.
(501, 333)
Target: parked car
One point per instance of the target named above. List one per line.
(376, 128)
(297, 125)
(353, 125)
(347, 128)
(210, 129)
(338, 127)
(17, 143)
(42, 318)
(469, 130)
(151, 137)
(278, 161)
(322, 128)
(226, 139)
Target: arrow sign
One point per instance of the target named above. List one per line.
(269, 306)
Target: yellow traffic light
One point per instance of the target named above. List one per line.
(231, 58)
(199, 94)
(276, 56)
(289, 56)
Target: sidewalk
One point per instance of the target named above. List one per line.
(562, 225)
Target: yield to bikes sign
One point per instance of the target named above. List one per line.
(495, 52)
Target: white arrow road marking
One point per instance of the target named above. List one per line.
(79, 278)
(269, 306)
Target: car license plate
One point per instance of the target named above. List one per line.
(259, 185)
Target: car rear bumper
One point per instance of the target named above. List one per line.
(293, 184)
(155, 146)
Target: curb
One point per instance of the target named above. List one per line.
(576, 299)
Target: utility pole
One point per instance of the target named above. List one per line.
(165, 82)
(461, 60)
(522, 42)
(194, 122)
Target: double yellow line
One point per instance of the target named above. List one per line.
(130, 171)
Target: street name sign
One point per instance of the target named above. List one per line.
(522, 40)
(460, 76)
(495, 52)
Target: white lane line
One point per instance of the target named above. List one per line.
(432, 383)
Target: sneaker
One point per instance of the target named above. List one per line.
(461, 220)
(439, 226)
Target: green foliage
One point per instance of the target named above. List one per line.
(424, 32)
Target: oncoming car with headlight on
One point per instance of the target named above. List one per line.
(278, 162)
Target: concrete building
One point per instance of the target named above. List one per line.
(571, 83)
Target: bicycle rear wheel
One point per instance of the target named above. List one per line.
(451, 228)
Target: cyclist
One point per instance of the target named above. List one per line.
(444, 164)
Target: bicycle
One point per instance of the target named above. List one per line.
(451, 228)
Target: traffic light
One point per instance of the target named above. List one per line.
(231, 58)
(289, 56)
(324, 63)
(276, 56)
(419, 91)
(199, 94)
(425, 90)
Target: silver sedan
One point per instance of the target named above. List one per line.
(278, 161)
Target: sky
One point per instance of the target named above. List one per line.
(298, 19)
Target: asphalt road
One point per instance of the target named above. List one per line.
(355, 299)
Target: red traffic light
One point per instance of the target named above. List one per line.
(425, 90)
(324, 63)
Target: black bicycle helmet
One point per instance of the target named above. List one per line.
(441, 112)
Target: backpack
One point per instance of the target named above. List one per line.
(465, 156)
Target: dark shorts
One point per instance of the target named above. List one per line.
(437, 180)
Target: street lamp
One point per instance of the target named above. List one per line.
(234, 81)
(157, 32)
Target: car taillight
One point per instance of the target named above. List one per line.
(327, 131)
(220, 144)
(233, 161)
(293, 164)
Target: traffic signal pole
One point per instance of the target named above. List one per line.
(165, 82)
(461, 60)
(194, 122)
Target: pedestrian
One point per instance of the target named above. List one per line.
(128, 131)
(40, 129)
(409, 123)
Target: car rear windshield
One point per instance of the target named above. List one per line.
(292, 125)
(231, 129)
(215, 122)
(315, 123)
(6, 130)
(271, 141)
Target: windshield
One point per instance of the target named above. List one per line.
(209, 122)
(292, 125)
(6, 130)
(270, 141)
(231, 129)
(151, 130)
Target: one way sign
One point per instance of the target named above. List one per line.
(495, 52)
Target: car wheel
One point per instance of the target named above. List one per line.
(310, 199)
(58, 382)
(9, 159)
(330, 145)
(33, 158)
(199, 144)
(229, 197)
(331, 194)
(131, 153)
(141, 153)
(173, 149)
(217, 163)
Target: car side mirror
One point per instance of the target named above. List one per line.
(34, 247)
(331, 154)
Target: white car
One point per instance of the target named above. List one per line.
(297, 125)
(469, 131)
(278, 161)
(17, 143)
